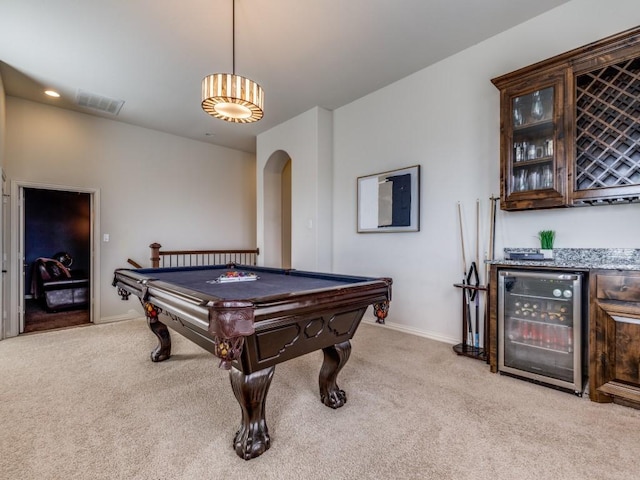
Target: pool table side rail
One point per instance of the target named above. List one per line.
(356, 296)
(188, 307)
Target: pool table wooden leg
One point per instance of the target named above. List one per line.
(380, 311)
(160, 330)
(335, 358)
(252, 440)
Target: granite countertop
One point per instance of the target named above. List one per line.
(582, 258)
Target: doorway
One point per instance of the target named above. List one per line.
(277, 177)
(56, 245)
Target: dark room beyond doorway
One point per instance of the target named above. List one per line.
(57, 246)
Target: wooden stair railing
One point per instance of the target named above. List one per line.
(134, 263)
(195, 258)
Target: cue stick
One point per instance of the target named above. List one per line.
(477, 335)
(464, 259)
(465, 291)
(477, 231)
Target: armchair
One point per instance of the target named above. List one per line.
(55, 286)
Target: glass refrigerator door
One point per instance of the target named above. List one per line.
(540, 325)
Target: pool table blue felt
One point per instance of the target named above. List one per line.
(270, 281)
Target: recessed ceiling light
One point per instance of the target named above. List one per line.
(52, 93)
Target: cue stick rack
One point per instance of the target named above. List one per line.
(465, 348)
(475, 292)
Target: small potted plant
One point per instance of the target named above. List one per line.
(546, 242)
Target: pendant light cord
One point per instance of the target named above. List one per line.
(233, 41)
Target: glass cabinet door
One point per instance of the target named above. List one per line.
(533, 148)
(533, 141)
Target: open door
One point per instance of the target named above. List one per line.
(55, 248)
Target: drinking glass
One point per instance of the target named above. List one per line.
(547, 177)
(518, 118)
(537, 110)
(534, 179)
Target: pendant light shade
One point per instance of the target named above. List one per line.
(232, 97)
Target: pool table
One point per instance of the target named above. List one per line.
(253, 318)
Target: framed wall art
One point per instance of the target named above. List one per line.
(389, 201)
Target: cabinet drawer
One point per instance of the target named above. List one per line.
(624, 288)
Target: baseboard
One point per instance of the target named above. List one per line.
(414, 331)
(130, 315)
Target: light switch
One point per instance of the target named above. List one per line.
(105, 237)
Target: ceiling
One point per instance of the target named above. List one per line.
(153, 54)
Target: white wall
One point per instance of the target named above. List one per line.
(157, 187)
(446, 118)
(3, 233)
(307, 140)
(2, 122)
(154, 187)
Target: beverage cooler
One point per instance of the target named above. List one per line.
(540, 334)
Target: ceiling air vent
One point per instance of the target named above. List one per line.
(98, 102)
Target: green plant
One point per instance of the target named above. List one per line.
(546, 238)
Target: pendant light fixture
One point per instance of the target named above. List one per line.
(231, 97)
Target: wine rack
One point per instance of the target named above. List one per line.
(607, 129)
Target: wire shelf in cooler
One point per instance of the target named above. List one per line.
(540, 322)
(539, 297)
(541, 347)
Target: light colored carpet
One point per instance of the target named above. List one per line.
(87, 403)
